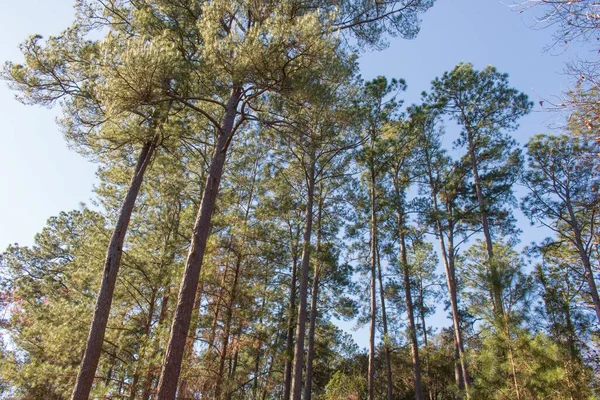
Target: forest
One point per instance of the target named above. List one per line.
(256, 197)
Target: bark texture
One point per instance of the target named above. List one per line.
(112, 262)
(303, 289)
(167, 386)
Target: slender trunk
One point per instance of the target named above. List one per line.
(289, 346)
(91, 356)
(589, 275)
(311, 338)
(302, 293)
(189, 345)
(373, 306)
(414, 344)
(169, 254)
(496, 288)
(386, 344)
(167, 385)
(458, 337)
(148, 383)
(511, 359)
(257, 364)
(227, 328)
(422, 309)
(133, 387)
(313, 305)
(234, 365)
(458, 375)
(584, 256)
(215, 322)
(462, 378)
(145, 332)
(268, 374)
(424, 329)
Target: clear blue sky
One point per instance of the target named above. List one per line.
(40, 176)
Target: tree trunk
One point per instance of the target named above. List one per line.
(302, 293)
(148, 383)
(313, 305)
(495, 278)
(414, 344)
(167, 385)
(91, 356)
(584, 256)
(373, 305)
(462, 378)
(227, 329)
(424, 329)
(458, 336)
(188, 351)
(388, 352)
(289, 346)
(145, 332)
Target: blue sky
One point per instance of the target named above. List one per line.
(40, 176)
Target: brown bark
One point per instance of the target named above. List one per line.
(414, 344)
(91, 357)
(147, 385)
(373, 305)
(496, 289)
(227, 328)
(583, 255)
(313, 305)
(189, 346)
(303, 289)
(287, 384)
(167, 386)
(462, 377)
(145, 332)
(388, 352)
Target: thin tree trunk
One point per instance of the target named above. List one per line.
(289, 346)
(311, 338)
(462, 378)
(583, 255)
(495, 278)
(91, 356)
(422, 310)
(374, 246)
(388, 353)
(512, 359)
(409, 308)
(148, 383)
(303, 290)
(424, 329)
(458, 375)
(313, 305)
(189, 344)
(227, 329)
(167, 385)
(145, 332)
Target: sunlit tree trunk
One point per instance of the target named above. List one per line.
(414, 344)
(95, 340)
(373, 272)
(313, 304)
(303, 289)
(167, 386)
(387, 350)
(496, 288)
(289, 343)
